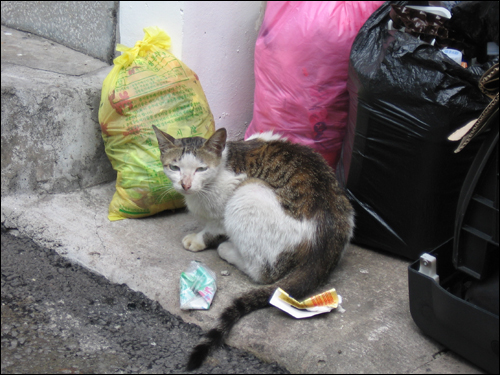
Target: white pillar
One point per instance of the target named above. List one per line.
(216, 39)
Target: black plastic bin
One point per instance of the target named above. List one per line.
(461, 310)
(475, 248)
(461, 326)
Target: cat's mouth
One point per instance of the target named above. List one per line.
(186, 192)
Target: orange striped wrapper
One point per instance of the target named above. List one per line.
(328, 299)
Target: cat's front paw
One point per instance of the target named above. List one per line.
(192, 242)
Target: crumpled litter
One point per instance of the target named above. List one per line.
(197, 287)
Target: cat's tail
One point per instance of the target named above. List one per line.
(241, 306)
(298, 283)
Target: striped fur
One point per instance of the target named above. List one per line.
(287, 219)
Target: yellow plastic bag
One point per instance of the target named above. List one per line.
(148, 86)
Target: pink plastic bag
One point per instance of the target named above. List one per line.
(301, 62)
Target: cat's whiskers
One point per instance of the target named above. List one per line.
(204, 192)
(206, 189)
(163, 191)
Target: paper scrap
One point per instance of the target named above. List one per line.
(319, 304)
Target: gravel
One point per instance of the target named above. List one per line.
(58, 317)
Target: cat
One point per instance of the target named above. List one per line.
(272, 208)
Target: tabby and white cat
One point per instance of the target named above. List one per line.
(272, 208)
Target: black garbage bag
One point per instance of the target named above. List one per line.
(397, 165)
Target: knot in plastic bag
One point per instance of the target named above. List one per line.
(154, 38)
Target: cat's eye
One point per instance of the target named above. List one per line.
(201, 169)
(174, 168)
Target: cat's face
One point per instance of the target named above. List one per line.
(191, 163)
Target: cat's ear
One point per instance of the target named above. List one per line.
(217, 142)
(165, 141)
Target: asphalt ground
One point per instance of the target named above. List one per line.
(58, 317)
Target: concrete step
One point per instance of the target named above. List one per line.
(51, 138)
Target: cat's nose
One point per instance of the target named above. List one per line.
(186, 186)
